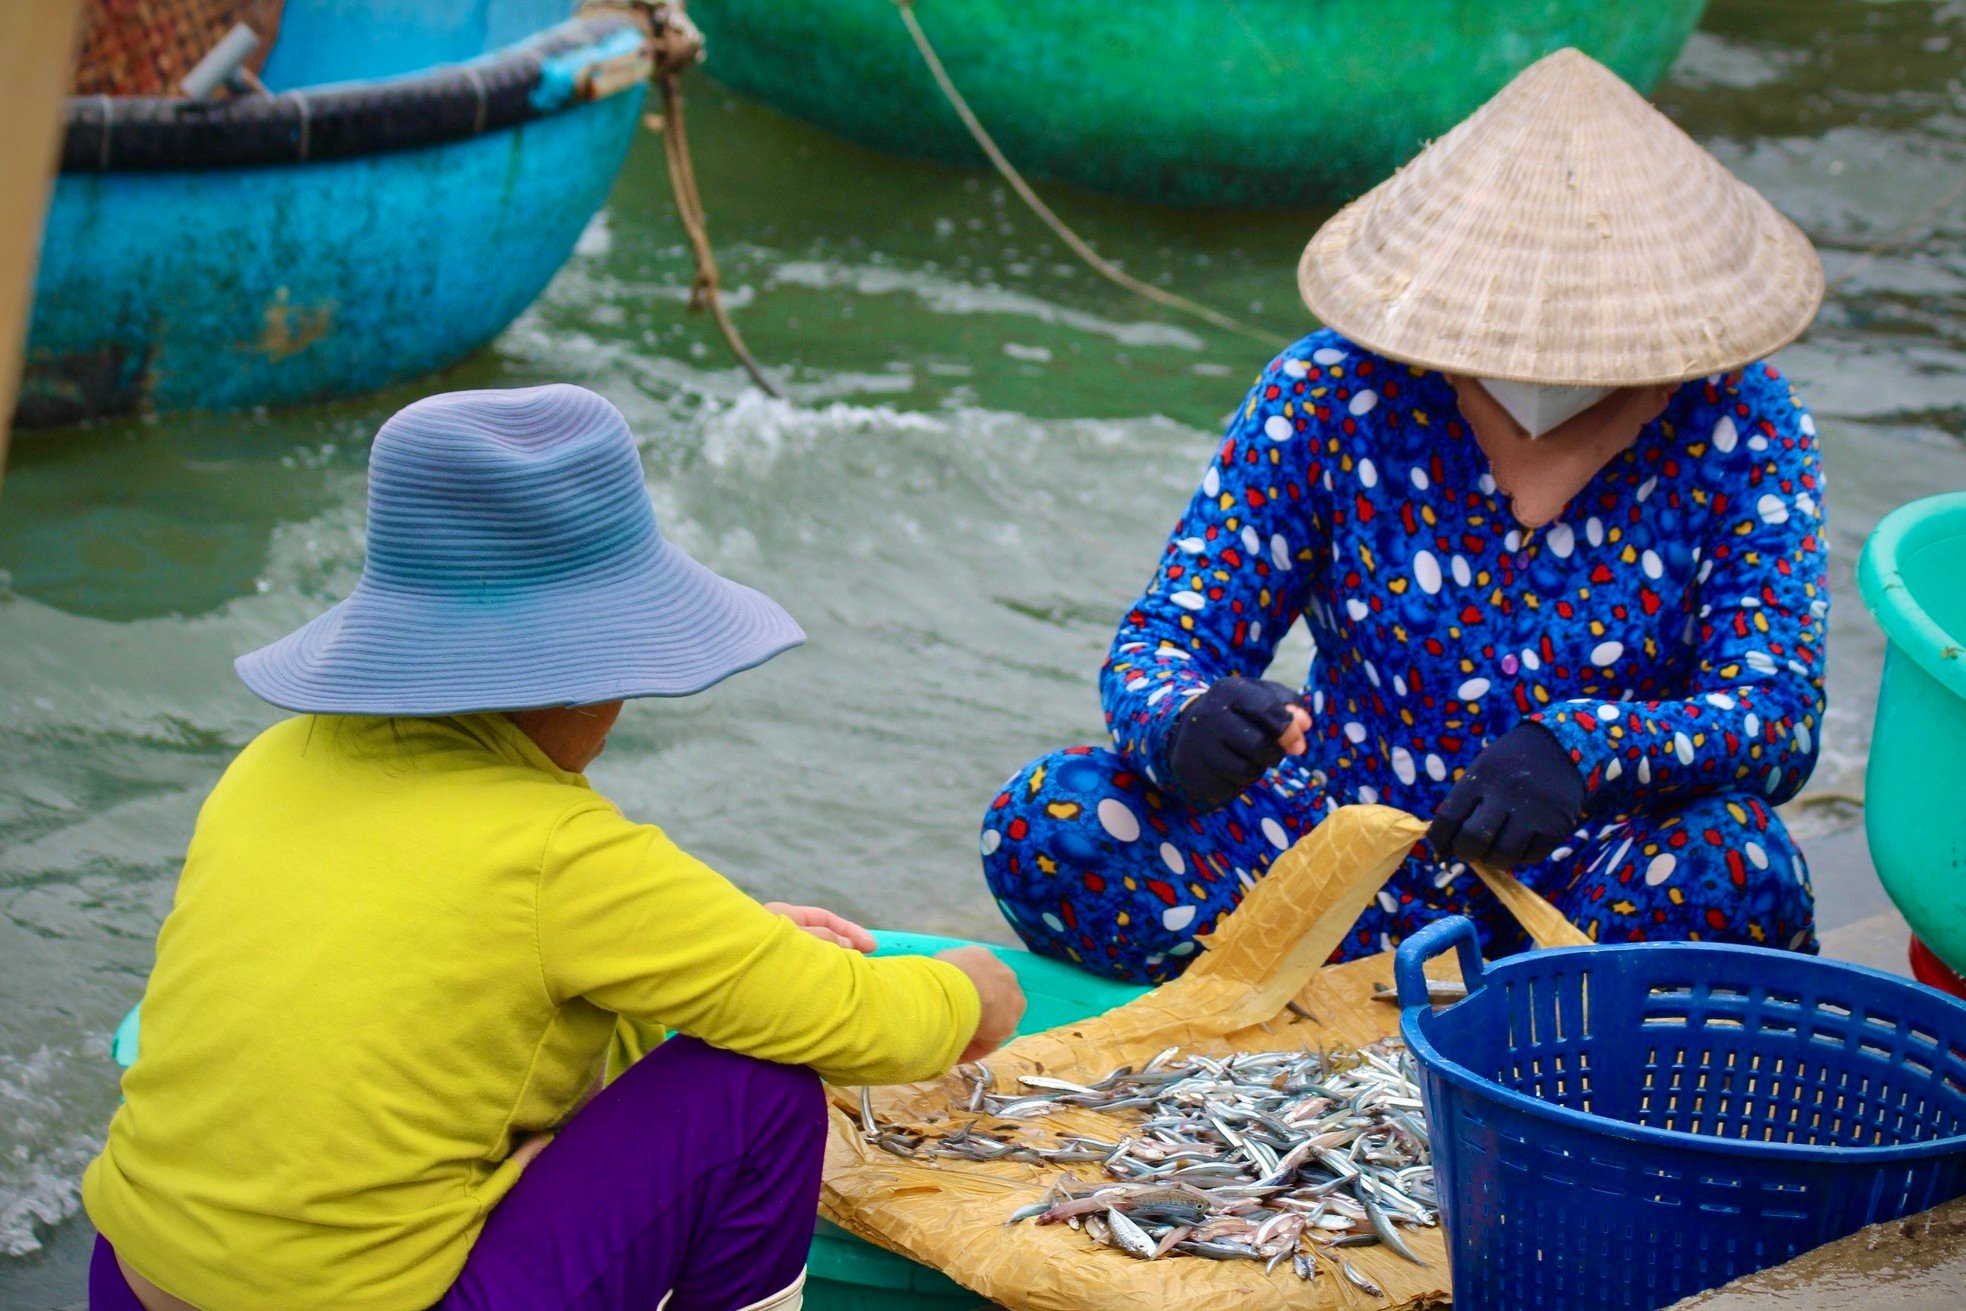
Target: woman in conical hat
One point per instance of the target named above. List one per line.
(1556, 531)
(407, 930)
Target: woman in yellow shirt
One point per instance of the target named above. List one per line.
(407, 931)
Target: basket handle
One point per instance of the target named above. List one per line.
(1456, 931)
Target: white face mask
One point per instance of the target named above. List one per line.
(1538, 408)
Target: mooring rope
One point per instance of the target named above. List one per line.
(1075, 243)
(676, 45)
(706, 290)
(1826, 797)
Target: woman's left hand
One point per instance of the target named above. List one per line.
(1519, 801)
(825, 925)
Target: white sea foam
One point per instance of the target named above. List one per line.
(41, 1168)
(1713, 61)
(753, 429)
(943, 295)
(597, 238)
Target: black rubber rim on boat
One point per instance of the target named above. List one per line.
(107, 134)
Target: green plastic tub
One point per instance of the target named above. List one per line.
(846, 1274)
(1913, 576)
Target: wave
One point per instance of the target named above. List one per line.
(942, 295)
(41, 1173)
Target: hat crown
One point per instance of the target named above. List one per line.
(476, 493)
(514, 561)
(1570, 143)
(1569, 233)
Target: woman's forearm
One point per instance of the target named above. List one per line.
(1234, 574)
(1752, 716)
(634, 924)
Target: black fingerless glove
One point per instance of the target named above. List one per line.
(1226, 738)
(1519, 800)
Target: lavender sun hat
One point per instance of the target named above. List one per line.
(514, 562)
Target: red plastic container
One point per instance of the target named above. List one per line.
(1929, 970)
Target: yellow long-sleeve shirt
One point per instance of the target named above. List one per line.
(399, 945)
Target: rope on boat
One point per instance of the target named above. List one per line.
(1075, 243)
(676, 45)
(706, 291)
(1826, 797)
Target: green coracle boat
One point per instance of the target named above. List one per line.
(1183, 102)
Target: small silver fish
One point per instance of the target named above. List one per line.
(1128, 1236)
(1056, 1085)
(1247, 1156)
(1365, 1285)
(1387, 1234)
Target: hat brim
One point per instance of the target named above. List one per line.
(1451, 329)
(653, 623)
(1567, 234)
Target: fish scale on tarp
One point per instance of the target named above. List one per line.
(1237, 997)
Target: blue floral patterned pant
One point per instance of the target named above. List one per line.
(1092, 864)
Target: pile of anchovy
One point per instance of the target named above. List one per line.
(1261, 1156)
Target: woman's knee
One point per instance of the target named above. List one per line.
(1078, 849)
(1722, 868)
(1742, 834)
(1082, 809)
(785, 1102)
(1758, 873)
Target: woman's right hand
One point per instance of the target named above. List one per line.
(1002, 996)
(1226, 738)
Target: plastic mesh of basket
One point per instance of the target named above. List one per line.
(1738, 1107)
(145, 47)
(1755, 1053)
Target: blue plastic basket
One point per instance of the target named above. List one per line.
(1624, 1126)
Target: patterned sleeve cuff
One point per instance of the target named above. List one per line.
(1579, 727)
(1142, 704)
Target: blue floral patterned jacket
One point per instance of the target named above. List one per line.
(1668, 627)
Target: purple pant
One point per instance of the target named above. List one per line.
(697, 1171)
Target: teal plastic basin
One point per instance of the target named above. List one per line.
(844, 1273)
(1913, 577)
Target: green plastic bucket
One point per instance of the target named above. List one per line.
(845, 1273)
(1913, 577)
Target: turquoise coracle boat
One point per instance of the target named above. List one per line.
(846, 1274)
(419, 174)
(1184, 102)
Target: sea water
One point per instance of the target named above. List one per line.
(981, 449)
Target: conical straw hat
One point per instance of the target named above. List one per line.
(1566, 233)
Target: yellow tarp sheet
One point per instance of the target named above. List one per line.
(950, 1213)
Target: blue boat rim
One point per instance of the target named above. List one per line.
(578, 60)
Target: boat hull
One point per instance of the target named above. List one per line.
(221, 289)
(1258, 103)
